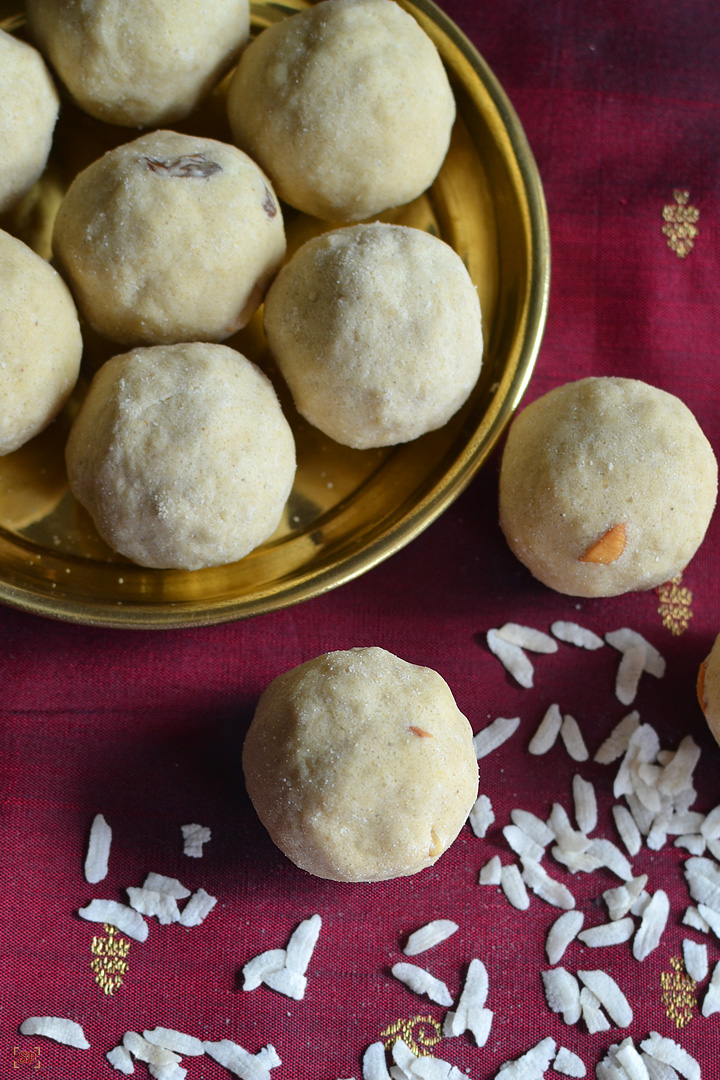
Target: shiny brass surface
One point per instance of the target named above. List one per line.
(349, 509)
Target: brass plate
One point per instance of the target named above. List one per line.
(349, 509)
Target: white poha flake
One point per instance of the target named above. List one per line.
(534, 826)
(98, 852)
(612, 933)
(711, 917)
(148, 1052)
(595, 1019)
(567, 1063)
(512, 658)
(491, 872)
(410, 1067)
(154, 904)
(532, 1065)
(255, 970)
(693, 918)
(625, 639)
(237, 1060)
(621, 899)
(631, 1061)
(161, 883)
(703, 878)
(572, 738)
(547, 732)
(569, 839)
(545, 887)
(57, 1028)
(421, 981)
(695, 957)
(197, 908)
(481, 816)
(194, 837)
(710, 827)
(630, 668)
(177, 1041)
(494, 735)
(513, 886)
(711, 1001)
(470, 1013)
(122, 917)
(610, 996)
(573, 634)
(522, 844)
(562, 993)
(612, 857)
(527, 637)
(652, 926)
(585, 801)
(617, 741)
(120, 1059)
(292, 984)
(672, 1054)
(628, 830)
(564, 930)
(374, 1064)
(693, 843)
(302, 944)
(430, 935)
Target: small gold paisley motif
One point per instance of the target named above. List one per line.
(675, 607)
(680, 224)
(678, 993)
(110, 963)
(420, 1041)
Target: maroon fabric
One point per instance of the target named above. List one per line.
(621, 105)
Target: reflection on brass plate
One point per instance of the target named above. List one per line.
(349, 509)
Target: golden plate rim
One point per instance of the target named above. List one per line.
(499, 113)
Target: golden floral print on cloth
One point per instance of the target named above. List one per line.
(419, 1033)
(110, 959)
(675, 607)
(680, 226)
(678, 993)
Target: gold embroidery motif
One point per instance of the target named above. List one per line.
(675, 607)
(680, 224)
(110, 963)
(678, 996)
(429, 1034)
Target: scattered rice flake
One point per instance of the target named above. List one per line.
(617, 741)
(573, 634)
(710, 827)
(610, 996)
(657, 1070)
(693, 918)
(410, 1067)
(621, 899)
(302, 943)
(534, 826)
(677, 774)
(284, 980)
(161, 883)
(469, 1013)
(703, 878)
(638, 906)
(167, 1072)
(652, 926)
(56, 1028)
(642, 817)
(247, 1066)
(197, 908)
(630, 668)
(625, 639)
(611, 857)
(711, 917)
(494, 735)
(169, 1039)
(481, 816)
(513, 886)
(421, 981)
(569, 839)
(194, 836)
(255, 970)
(531, 1065)
(430, 935)
(612, 933)
(122, 917)
(120, 1059)
(711, 1001)
(713, 847)
(522, 844)
(151, 903)
(562, 993)
(547, 888)
(694, 843)
(567, 1063)
(373, 1063)
(512, 658)
(148, 1052)
(564, 930)
(657, 837)
(595, 1019)
(98, 852)
(672, 1054)
(631, 1061)
(695, 956)
(491, 872)
(547, 731)
(585, 804)
(627, 828)
(527, 637)
(572, 737)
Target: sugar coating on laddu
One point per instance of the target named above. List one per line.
(377, 330)
(346, 106)
(139, 63)
(607, 485)
(169, 238)
(360, 765)
(181, 455)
